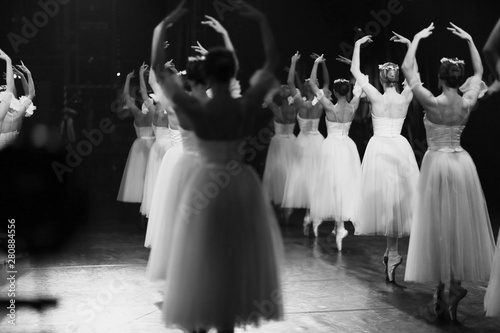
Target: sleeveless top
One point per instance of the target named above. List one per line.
(308, 126)
(284, 130)
(145, 132)
(444, 138)
(338, 130)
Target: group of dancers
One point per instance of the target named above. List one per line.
(212, 230)
(14, 109)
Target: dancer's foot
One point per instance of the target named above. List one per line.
(456, 294)
(438, 303)
(306, 225)
(385, 261)
(340, 235)
(316, 225)
(392, 265)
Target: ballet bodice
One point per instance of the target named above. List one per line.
(443, 138)
(175, 136)
(285, 130)
(387, 127)
(338, 130)
(189, 141)
(7, 138)
(162, 134)
(145, 132)
(221, 152)
(309, 126)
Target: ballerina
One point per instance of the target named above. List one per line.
(232, 242)
(451, 237)
(282, 146)
(298, 186)
(389, 170)
(176, 167)
(337, 186)
(132, 184)
(162, 141)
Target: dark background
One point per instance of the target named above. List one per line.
(76, 53)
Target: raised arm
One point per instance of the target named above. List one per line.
(372, 93)
(324, 69)
(186, 107)
(472, 94)
(31, 83)
(397, 38)
(291, 73)
(320, 95)
(424, 96)
(270, 50)
(214, 24)
(148, 102)
(491, 51)
(9, 74)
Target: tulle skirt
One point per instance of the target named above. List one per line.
(278, 164)
(492, 298)
(337, 185)
(132, 184)
(223, 269)
(451, 233)
(305, 165)
(164, 214)
(163, 193)
(155, 159)
(389, 176)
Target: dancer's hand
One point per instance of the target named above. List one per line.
(296, 57)
(344, 60)
(320, 59)
(23, 67)
(214, 24)
(425, 32)
(397, 38)
(200, 49)
(143, 69)
(16, 72)
(459, 32)
(315, 56)
(166, 45)
(131, 74)
(170, 64)
(362, 40)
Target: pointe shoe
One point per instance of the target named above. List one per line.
(306, 225)
(391, 271)
(457, 293)
(438, 304)
(341, 234)
(385, 261)
(316, 225)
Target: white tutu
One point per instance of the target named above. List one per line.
(227, 248)
(178, 165)
(305, 165)
(279, 161)
(160, 146)
(492, 297)
(6, 139)
(451, 233)
(132, 184)
(389, 175)
(161, 192)
(337, 185)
